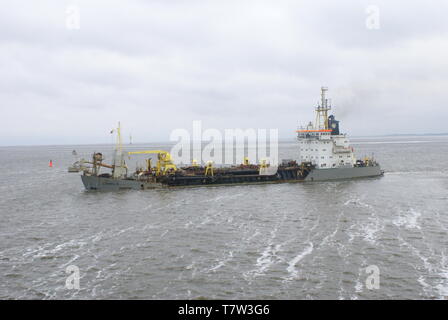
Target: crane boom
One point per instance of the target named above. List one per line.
(164, 162)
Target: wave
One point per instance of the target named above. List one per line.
(408, 220)
(292, 264)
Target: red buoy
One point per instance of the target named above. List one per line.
(50, 164)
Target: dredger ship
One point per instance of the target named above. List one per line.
(323, 154)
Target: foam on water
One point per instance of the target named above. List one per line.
(293, 271)
(268, 255)
(410, 219)
(442, 286)
(222, 262)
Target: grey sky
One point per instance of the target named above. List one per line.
(159, 65)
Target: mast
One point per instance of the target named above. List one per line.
(119, 165)
(119, 147)
(322, 111)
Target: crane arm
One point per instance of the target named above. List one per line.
(148, 151)
(164, 162)
(100, 164)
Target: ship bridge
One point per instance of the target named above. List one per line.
(303, 133)
(321, 143)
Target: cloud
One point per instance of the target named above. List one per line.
(158, 65)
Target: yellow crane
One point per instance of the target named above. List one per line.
(209, 168)
(164, 160)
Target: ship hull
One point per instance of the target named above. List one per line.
(344, 173)
(110, 184)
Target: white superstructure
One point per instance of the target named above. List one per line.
(321, 143)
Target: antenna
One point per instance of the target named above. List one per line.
(324, 101)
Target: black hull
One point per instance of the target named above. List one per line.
(296, 174)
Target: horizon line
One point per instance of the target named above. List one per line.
(166, 141)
